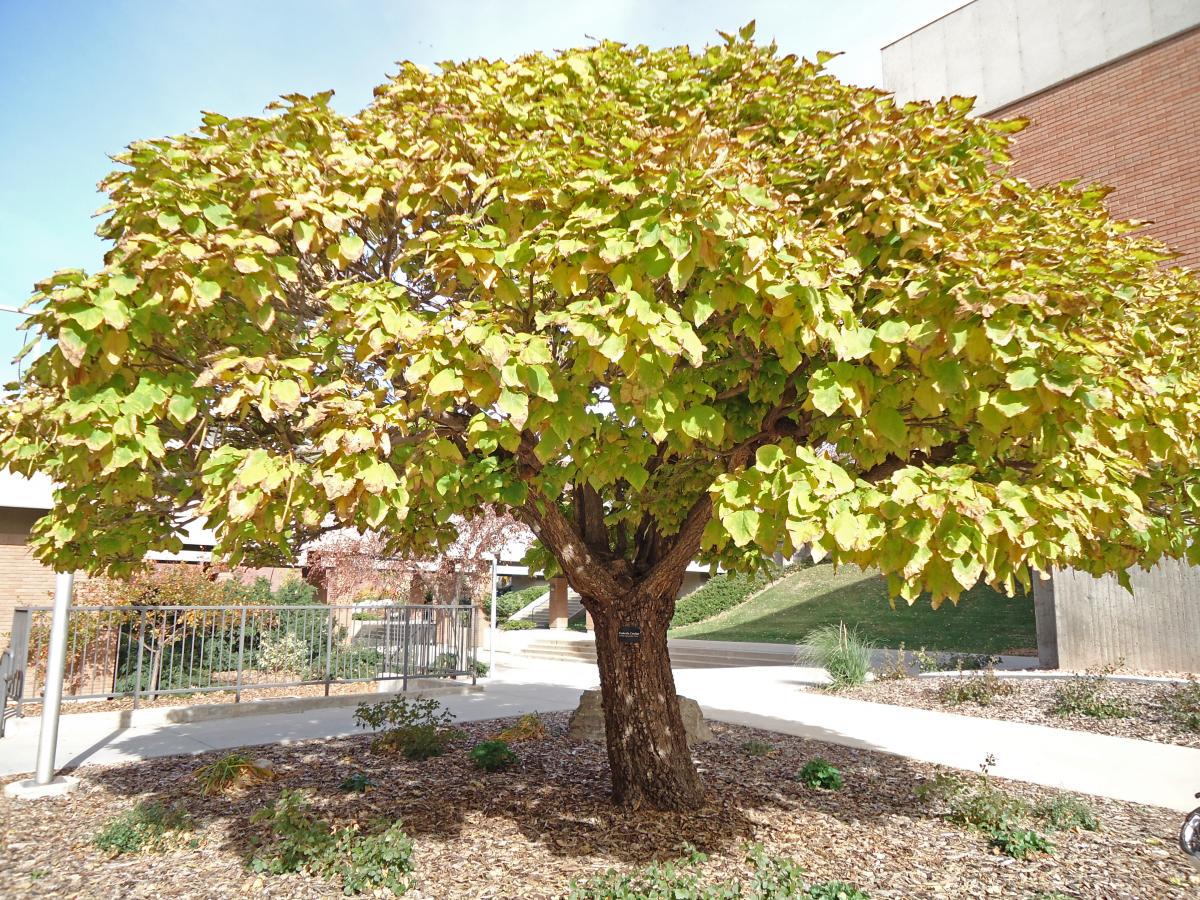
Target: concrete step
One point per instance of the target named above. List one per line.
(684, 654)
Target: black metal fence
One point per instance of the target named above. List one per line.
(143, 652)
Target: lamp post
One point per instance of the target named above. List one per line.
(44, 783)
(492, 629)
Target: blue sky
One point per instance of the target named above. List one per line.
(80, 80)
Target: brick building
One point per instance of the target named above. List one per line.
(1112, 89)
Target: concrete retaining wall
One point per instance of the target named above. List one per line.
(1085, 622)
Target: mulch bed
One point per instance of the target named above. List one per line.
(527, 832)
(1032, 700)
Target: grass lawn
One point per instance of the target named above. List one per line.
(985, 621)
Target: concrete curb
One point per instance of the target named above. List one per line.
(120, 719)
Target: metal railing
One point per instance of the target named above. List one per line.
(145, 652)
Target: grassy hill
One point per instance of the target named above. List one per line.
(984, 621)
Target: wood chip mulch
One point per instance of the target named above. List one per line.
(527, 832)
(1032, 701)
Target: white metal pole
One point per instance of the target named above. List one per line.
(56, 659)
(492, 630)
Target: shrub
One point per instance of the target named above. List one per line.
(230, 770)
(1182, 703)
(1087, 695)
(976, 802)
(282, 651)
(1066, 811)
(148, 826)
(819, 773)
(1020, 842)
(381, 857)
(492, 756)
(977, 689)
(841, 652)
(517, 625)
(358, 783)
(529, 727)
(295, 592)
(757, 748)
(417, 727)
(896, 668)
(718, 594)
(514, 601)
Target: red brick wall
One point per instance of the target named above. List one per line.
(1134, 125)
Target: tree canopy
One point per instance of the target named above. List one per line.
(657, 303)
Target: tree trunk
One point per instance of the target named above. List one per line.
(647, 750)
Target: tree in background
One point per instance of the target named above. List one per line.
(353, 565)
(657, 304)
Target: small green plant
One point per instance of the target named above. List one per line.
(926, 661)
(819, 773)
(1020, 843)
(518, 625)
(835, 890)
(977, 802)
(757, 748)
(358, 783)
(841, 652)
(493, 756)
(772, 878)
(380, 857)
(418, 728)
(479, 668)
(35, 874)
(1182, 703)
(1064, 812)
(148, 826)
(529, 727)
(981, 690)
(232, 769)
(1088, 695)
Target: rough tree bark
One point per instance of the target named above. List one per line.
(648, 754)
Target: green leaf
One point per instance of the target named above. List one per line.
(889, 424)
(351, 247)
(181, 409)
(1023, 378)
(123, 284)
(703, 423)
(893, 332)
(206, 292)
(445, 381)
(756, 195)
(218, 214)
(742, 525)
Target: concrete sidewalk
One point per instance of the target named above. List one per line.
(768, 697)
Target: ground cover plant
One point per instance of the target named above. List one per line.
(978, 689)
(1089, 695)
(632, 297)
(361, 860)
(532, 830)
(514, 601)
(819, 773)
(147, 826)
(722, 592)
(493, 755)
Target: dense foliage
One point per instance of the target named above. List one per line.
(514, 601)
(653, 283)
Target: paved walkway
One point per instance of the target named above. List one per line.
(765, 697)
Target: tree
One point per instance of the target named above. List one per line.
(658, 305)
(348, 563)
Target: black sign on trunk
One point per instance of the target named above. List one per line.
(629, 634)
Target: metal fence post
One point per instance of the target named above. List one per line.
(404, 631)
(328, 651)
(471, 639)
(19, 644)
(237, 695)
(56, 661)
(141, 643)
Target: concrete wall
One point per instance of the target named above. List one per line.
(1002, 50)
(1085, 622)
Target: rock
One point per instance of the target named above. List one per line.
(587, 722)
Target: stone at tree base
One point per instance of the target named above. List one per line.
(587, 722)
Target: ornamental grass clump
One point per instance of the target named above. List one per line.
(841, 652)
(232, 770)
